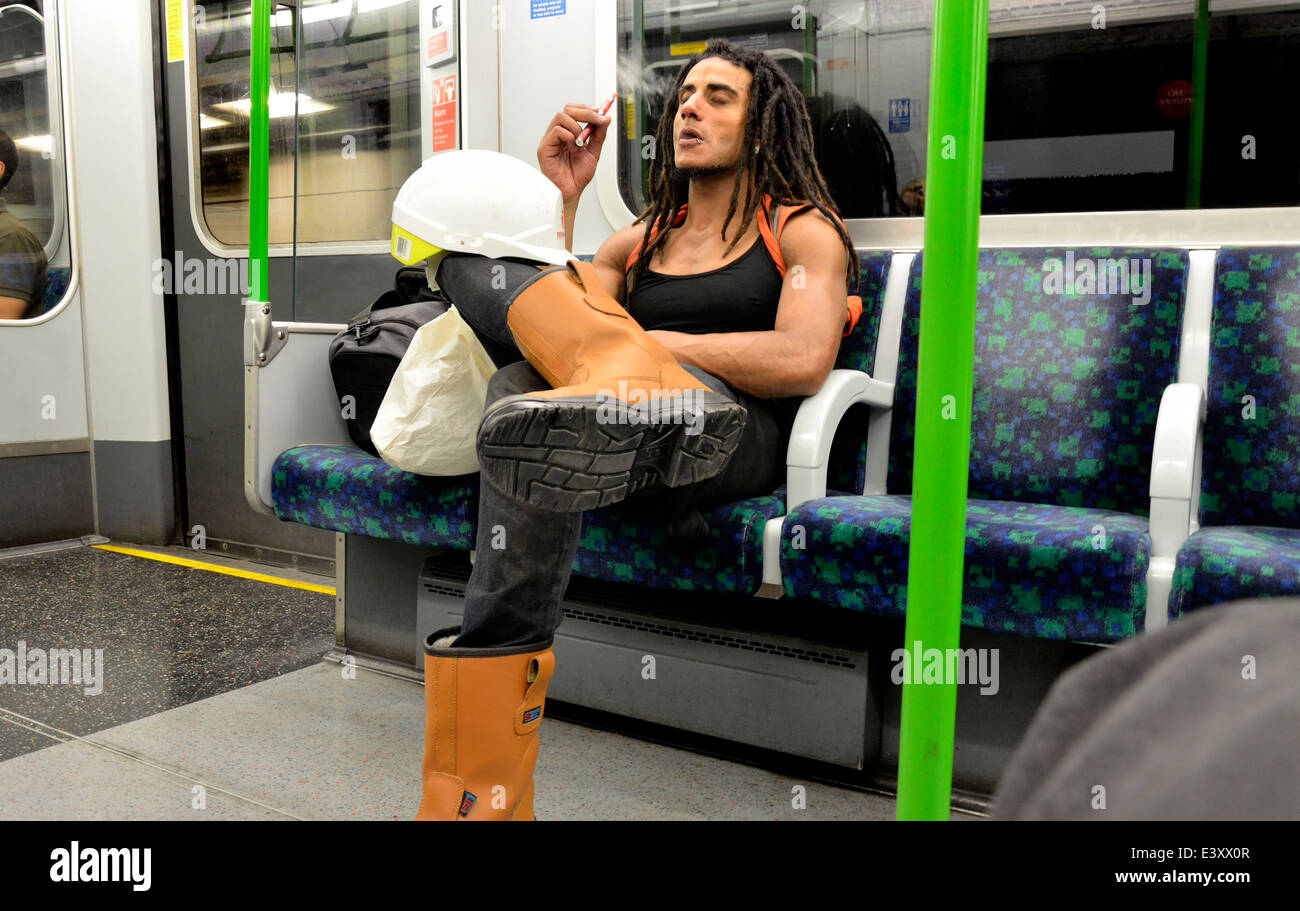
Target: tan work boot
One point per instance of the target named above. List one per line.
(482, 710)
(624, 414)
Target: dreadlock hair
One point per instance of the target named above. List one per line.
(785, 167)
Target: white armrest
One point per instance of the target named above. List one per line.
(1176, 467)
(815, 425)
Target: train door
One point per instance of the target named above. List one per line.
(347, 129)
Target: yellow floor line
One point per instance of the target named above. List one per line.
(224, 570)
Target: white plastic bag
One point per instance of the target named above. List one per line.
(429, 418)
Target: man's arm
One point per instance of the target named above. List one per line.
(21, 258)
(795, 358)
(612, 257)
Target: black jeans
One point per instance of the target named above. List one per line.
(524, 554)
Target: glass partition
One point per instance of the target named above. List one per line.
(1089, 105)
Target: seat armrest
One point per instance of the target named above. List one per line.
(814, 429)
(1176, 467)
(289, 400)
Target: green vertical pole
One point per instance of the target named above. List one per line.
(1196, 142)
(258, 152)
(954, 165)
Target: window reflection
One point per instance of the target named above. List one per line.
(1088, 105)
(357, 99)
(28, 216)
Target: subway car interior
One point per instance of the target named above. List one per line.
(219, 602)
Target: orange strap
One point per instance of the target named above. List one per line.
(654, 232)
(855, 314)
(772, 240)
(774, 248)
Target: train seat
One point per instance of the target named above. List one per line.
(1248, 543)
(340, 487)
(56, 285)
(1068, 386)
(343, 488)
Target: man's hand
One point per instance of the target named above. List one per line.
(567, 166)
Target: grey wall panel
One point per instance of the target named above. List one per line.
(45, 498)
(136, 500)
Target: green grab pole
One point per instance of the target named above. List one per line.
(258, 152)
(954, 172)
(1200, 64)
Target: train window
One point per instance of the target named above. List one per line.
(822, 52)
(356, 88)
(1088, 105)
(32, 189)
(1086, 114)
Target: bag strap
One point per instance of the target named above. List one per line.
(403, 280)
(772, 237)
(412, 286)
(770, 228)
(385, 300)
(654, 232)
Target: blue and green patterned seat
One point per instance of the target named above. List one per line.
(342, 488)
(1249, 542)
(1067, 389)
(56, 285)
(345, 488)
(847, 470)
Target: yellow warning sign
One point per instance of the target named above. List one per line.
(175, 30)
(687, 47)
(629, 114)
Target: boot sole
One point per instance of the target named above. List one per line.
(556, 454)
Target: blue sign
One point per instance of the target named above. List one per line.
(543, 8)
(900, 115)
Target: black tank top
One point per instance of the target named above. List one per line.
(742, 296)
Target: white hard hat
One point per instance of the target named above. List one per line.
(479, 202)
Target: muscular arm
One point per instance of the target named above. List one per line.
(22, 259)
(12, 308)
(612, 257)
(795, 358)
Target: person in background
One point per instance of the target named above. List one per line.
(858, 164)
(22, 255)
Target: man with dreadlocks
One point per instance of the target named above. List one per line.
(694, 270)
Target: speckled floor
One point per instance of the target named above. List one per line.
(169, 636)
(215, 705)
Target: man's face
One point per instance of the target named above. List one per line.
(710, 125)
